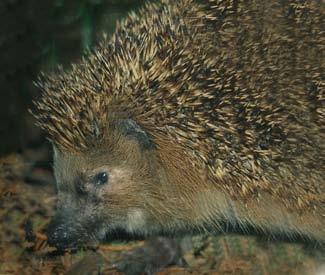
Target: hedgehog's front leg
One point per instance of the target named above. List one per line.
(156, 254)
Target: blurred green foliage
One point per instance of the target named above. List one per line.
(35, 36)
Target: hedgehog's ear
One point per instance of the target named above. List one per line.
(130, 129)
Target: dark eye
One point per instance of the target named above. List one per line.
(101, 178)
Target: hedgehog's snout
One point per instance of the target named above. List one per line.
(63, 233)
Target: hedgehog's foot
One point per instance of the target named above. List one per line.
(154, 255)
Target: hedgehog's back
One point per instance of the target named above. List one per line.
(250, 98)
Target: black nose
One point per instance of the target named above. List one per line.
(62, 233)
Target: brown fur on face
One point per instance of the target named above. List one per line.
(139, 196)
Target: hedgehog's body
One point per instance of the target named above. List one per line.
(203, 114)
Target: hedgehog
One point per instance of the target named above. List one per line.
(194, 116)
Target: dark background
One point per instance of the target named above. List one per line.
(36, 36)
